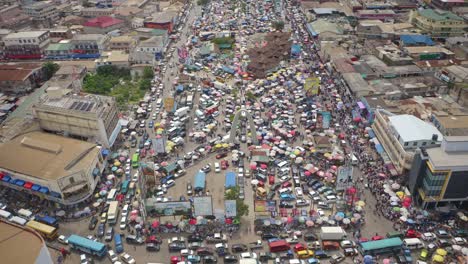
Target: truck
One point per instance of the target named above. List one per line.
(332, 233)
(182, 111)
(219, 85)
(199, 181)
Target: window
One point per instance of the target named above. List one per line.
(406, 143)
(433, 143)
(424, 143)
(415, 144)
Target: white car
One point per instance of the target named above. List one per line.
(428, 236)
(123, 223)
(169, 184)
(186, 252)
(299, 192)
(320, 212)
(285, 179)
(135, 177)
(248, 255)
(347, 244)
(112, 256)
(125, 257)
(217, 167)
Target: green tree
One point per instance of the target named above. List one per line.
(148, 73)
(145, 84)
(278, 25)
(203, 2)
(233, 194)
(249, 95)
(50, 68)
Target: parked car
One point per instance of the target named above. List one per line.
(237, 248)
(101, 230)
(92, 223)
(125, 257)
(337, 258)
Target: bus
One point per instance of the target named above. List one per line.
(48, 220)
(118, 243)
(279, 245)
(47, 231)
(112, 194)
(87, 245)
(113, 212)
(383, 246)
(183, 101)
(135, 159)
(125, 186)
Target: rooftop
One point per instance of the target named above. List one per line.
(25, 34)
(17, 71)
(428, 49)
(88, 37)
(102, 22)
(411, 128)
(49, 156)
(442, 160)
(454, 125)
(19, 245)
(416, 40)
(438, 15)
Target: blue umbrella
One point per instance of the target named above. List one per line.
(410, 221)
(114, 168)
(340, 214)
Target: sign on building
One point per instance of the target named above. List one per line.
(168, 208)
(202, 205)
(230, 208)
(260, 206)
(344, 178)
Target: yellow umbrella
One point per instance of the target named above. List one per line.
(117, 163)
(327, 155)
(297, 152)
(400, 194)
(438, 258)
(218, 146)
(441, 251)
(360, 203)
(312, 150)
(225, 145)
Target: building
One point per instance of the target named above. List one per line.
(96, 12)
(162, 20)
(117, 58)
(451, 125)
(438, 175)
(58, 51)
(125, 43)
(401, 135)
(438, 23)
(68, 78)
(60, 33)
(447, 4)
(44, 13)
(13, 17)
(89, 45)
(102, 25)
(90, 117)
(384, 15)
(155, 45)
(416, 40)
(26, 44)
(138, 22)
(56, 168)
(22, 245)
(20, 78)
(429, 53)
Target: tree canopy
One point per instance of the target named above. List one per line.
(278, 25)
(233, 194)
(50, 68)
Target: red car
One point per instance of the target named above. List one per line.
(221, 155)
(374, 238)
(411, 233)
(299, 247)
(224, 164)
(261, 184)
(271, 179)
(176, 259)
(286, 184)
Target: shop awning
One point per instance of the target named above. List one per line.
(12, 181)
(28, 185)
(19, 182)
(36, 187)
(44, 190)
(6, 178)
(2, 174)
(379, 148)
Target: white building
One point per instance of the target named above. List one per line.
(43, 12)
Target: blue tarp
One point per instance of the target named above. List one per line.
(371, 133)
(36, 187)
(19, 182)
(180, 88)
(295, 49)
(410, 40)
(44, 190)
(230, 180)
(379, 148)
(6, 178)
(199, 182)
(105, 152)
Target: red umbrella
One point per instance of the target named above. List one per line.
(155, 224)
(307, 173)
(192, 221)
(263, 166)
(228, 221)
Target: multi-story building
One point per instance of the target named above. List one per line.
(13, 17)
(438, 175)
(44, 13)
(60, 33)
(96, 12)
(26, 44)
(401, 135)
(155, 45)
(162, 20)
(89, 44)
(125, 43)
(438, 23)
(92, 117)
(384, 15)
(447, 4)
(56, 168)
(20, 78)
(9, 2)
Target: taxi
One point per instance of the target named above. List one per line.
(303, 254)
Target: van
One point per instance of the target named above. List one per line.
(5, 214)
(331, 198)
(261, 192)
(159, 103)
(413, 243)
(118, 243)
(18, 220)
(125, 210)
(282, 164)
(354, 160)
(284, 190)
(26, 214)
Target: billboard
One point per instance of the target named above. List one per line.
(168, 104)
(344, 178)
(167, 208)
(202, 205)
(230, 208)
(312, 86)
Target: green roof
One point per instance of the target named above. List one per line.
(225, 45)
(59, 46)
(159, 32)
(439, 15)
(383, 243)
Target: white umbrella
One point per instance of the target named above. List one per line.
(254, 182)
